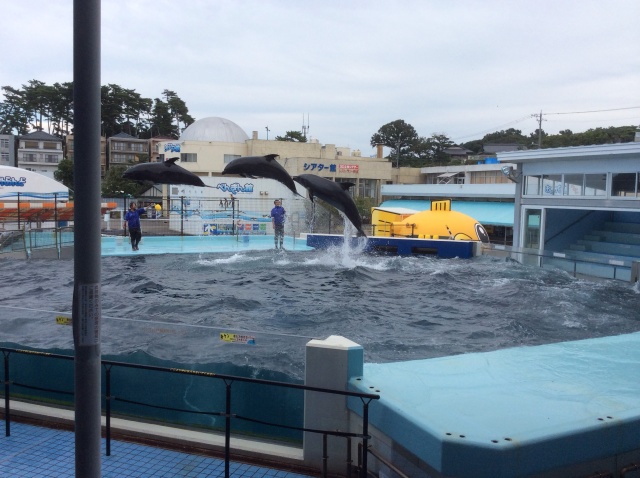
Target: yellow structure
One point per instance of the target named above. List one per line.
(438, 223)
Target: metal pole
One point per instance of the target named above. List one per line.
(365, 439)
(181, 215)
(86, 293)
(227, 431)
(108, 412)
(7, 409)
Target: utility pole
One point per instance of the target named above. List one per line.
(267, 128)
(539, 118)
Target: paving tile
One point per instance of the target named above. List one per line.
(37, 452)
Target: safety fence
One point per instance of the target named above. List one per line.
(605, 266)
(226, 391)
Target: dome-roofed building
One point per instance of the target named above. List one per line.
(214, 129)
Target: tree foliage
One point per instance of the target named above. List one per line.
(401, 137)
(64, 173)
(37, 106)
(293, 136)
(114, 185)
(409, 149)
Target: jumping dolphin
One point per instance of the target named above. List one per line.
(162, 173)
(262, 167)
(333, 193)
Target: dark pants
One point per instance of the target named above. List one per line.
(136, 235)
(279, 234)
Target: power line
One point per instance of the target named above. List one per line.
(495, 128)
(539, 117)
(595, 111)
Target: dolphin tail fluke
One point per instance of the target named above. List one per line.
(171, 161)
(271, 157)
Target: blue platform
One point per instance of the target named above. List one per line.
(443, 248)
(512, 412)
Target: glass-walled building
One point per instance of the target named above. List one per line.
(583, 201)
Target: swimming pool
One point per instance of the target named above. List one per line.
(120, 246)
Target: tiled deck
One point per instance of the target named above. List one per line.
(37, 452)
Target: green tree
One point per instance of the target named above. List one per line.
(14, 118)
(178, 109)
(114, 185)
(401, 137)
(292, 136)
(64, 173)
(510, 136)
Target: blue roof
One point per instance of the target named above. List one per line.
(486, 213)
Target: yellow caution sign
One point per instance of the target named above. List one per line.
(62, 320)
(237, 338)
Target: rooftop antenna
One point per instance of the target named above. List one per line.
(305, 128)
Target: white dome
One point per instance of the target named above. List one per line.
(214, 129)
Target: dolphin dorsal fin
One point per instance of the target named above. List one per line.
(346, 186)
(271, 157)
(171, 161)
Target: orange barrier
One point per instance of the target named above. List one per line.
(45, 211)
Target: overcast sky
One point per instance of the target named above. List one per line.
(461, 68)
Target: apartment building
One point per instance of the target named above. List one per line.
(7, 150)
(40, 152)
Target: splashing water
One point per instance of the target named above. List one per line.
(175, 307)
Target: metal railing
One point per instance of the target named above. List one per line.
(614, 268)
(227, 413)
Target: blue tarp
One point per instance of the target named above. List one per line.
(486, 213)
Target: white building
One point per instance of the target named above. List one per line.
(40, 152)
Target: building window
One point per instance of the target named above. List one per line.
(595, 184)
(4, 157)
(230, 157)
(533, 186)
(31, 145)
(118, 146)
(189, 157)
(573, 184)
(4, 143)
(50, 145)
(552, 185)
(624, 184)
(30, 157)
(367, 188)
(118, 158)
(51, 158)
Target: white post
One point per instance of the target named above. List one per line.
(330, 363)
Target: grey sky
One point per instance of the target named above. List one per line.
(462, 68)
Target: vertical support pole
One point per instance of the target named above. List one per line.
(86, 293)
(349, 459)
(7, 409)
(56, 228)
(18, 211)
(182, 215)
(108, 411)
(227, 431)
(233, 216)
(365, 440)
(325, 456)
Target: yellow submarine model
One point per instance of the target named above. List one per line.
(440, 222)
